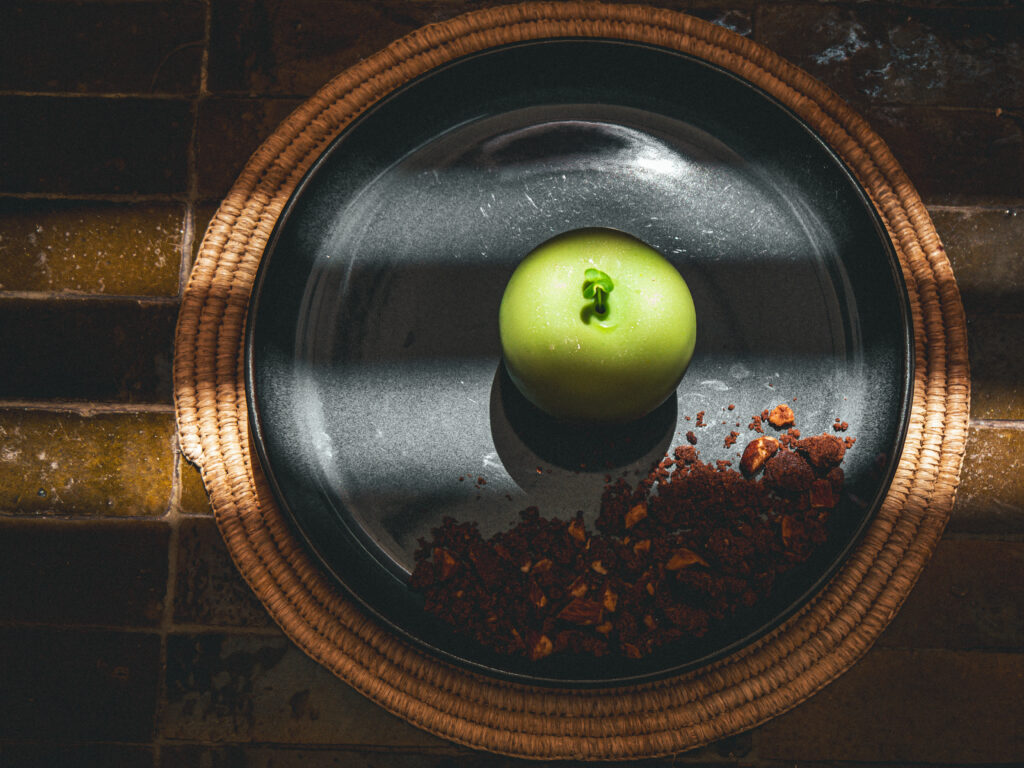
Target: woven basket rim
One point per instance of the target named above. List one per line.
(649, 719)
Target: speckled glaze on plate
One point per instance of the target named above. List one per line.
(373, 366)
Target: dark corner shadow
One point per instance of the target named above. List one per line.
(524, 435)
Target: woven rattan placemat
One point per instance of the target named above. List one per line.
(657, 718)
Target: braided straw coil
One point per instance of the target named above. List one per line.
(643, 720)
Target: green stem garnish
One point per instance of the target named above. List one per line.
(597, 285)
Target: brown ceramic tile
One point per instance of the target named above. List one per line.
(885, 54)
(194, 500)
(991, 495)
(738, 20)
(259, 47)
(229, 131)
(908, 707)
(230, 688)
(90, 247)
(997, 369)
(957, 3)
(109, 464)
(955, 156)
(53, 753)
(968, 598)
(264, 756)
(78, 685)
(88, 145)
(266, 48)
(114, 47)
(986, 249)
(260, 756)
(87, 349)
(209, 590)
(71, 572)
(736, 16)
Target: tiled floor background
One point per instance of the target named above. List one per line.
(126, 636)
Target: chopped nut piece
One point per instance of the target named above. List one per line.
(446, 563)
(578, 588)
(605, 627)
(597, 567)
(543, 647)
(580, 611)
(537, 596)
(577, 530)
(644, 545)
(610, 600)
(782, 416)
(541, 566)
(635, 515)
(786, 525)
(684, 558)
(757, 452)
(823, 495)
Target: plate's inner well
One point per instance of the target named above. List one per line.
(374, 371)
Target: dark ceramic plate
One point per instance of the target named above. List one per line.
(373, 364)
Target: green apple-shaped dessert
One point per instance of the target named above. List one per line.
(596, 326)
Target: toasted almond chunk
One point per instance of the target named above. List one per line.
(756, 453)
(683, 558)
(782, 416)
(635, 514)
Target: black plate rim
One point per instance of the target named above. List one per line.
(796, 605)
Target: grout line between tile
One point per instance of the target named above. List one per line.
(173, 518)
(1008, 210)
(213, 629)
(69, 520)
(339, 750)
(191, 235)
(755, 21)
(91, 297)
(194, 629)
(204, 61)
(85, 408)
(174, 513)
(1014, 424)
(141, 95)
(94, 198)
(1001, 538)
